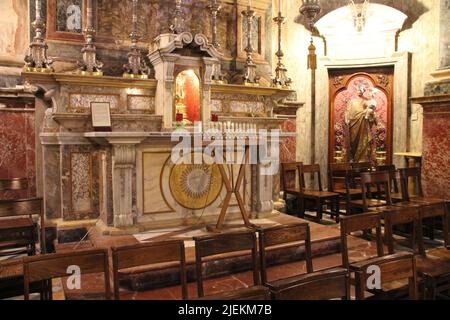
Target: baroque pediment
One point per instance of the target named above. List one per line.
(186, 44)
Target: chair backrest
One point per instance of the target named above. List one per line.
(146, 254)
(416, 175)
(298, 234)
(250, 294)
(382, 182)
(46, 267)
(321, 285)
(438, 210)
(13, 184)
(401, 216)
(391, 269)
(361, 167)
(25, 207)
(360, 222)
(339, 173)
(313, 170)
(209, 246)
(289, 175)
(394, 174)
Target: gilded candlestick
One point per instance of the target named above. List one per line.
(136, 66)
(215, 8)
(37, 60)
(250, 76)
(281, 79)
(90, 65)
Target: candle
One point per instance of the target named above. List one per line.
(90, 12)
(38, 9)
(250, 3)
(281, 6)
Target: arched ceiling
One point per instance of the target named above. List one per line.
(412, 8)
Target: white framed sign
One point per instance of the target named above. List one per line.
(101, 115)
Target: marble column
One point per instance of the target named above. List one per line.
(123, 169)
(264, 195)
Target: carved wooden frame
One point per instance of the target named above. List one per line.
(339, 80)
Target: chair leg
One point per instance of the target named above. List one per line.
(319, 210)
(338, 211)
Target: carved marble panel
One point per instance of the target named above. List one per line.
(216, 106)
(81, 180)
(247, 108)
(83, 100)
(142, 103)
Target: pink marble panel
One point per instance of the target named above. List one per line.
(436, 154)
(288, 145)
(17, 151)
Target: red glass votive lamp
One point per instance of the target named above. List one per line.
(179, 117)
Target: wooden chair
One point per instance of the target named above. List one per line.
(396, 194)
(146, 254)
(44, 268)
(357, 169)
(382, 196)
(340, 181)
(318, 197)
(432, 266)
(17, 227)
(289, 182)
(327, 284)
(210, 246)
(427, 203)
(393, 268)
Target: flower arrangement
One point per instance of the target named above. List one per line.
(339, 136)
(380, 137)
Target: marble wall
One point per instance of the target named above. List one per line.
(445, 34)
(14, 26)
(436, 152)
(17, 147)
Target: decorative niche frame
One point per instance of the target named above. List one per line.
(259, 37)
(63, 15)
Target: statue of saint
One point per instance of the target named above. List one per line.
(360, 117)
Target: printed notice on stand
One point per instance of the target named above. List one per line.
(101, 115)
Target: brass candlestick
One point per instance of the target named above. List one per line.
(214, 7)
(250, 76)
(178, 23)
(90, 65)
(37, 60)
(281, 79)
(136, 66)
